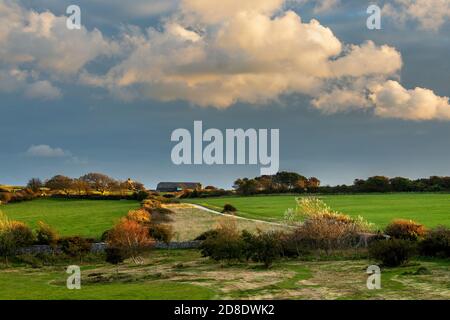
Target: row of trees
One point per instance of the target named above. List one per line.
(86, 184)
(397, 184)
(281, 182)
(284, 182)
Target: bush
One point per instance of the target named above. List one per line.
(114, 255)
(7, 244)
(46, 234)
(140, 195)
(76, 246)
(405, 229)
(161, 232)
(130, 237)
(327, 232)
(436, 243)
(323, 228)
(228, 208)
(13, 235)
(263, 247)
(226, 244)
(21, 234)
(150, 204)
(5, 197)
(392, 252)
(140, 216)
(294, 244)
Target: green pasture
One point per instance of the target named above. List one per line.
(430, 209)
(89, 218)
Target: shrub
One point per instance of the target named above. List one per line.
(161, 232)
(263, 247)
(436, 243)
(13, 235)
(76, 246)
(140, 195)
(5, 197)
(226, 244)
(7, 244)
(150, 204)
(228, 208)
(405, 229)
(22, 235)
(114, 255)
(392, 252)
(46, 234)
(140, 216)
(294, 244)
(324, 228)
(130, 237)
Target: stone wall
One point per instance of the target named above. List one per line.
(99, 247)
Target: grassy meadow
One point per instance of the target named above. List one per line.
(430, 209)
(184, 274)
(88, 218)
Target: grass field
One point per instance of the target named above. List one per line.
(88, 218)
(184, 274)
(428, 209)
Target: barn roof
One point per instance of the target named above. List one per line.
(187, 185)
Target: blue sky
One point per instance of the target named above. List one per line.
(78, 117)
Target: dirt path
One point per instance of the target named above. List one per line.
(234, 216)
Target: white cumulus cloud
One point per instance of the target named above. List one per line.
(430, 14)
(217, 53)
(240, 53)
(45, 151)
(392, 100)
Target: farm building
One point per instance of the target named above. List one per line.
(177, 186)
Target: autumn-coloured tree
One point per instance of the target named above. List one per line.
(131, 237)
(35, 184)
(61, 183)
(99, 182)
(81, 186)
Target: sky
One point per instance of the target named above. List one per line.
(349, 102)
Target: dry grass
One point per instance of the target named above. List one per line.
(189, 222)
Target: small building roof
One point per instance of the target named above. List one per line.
(185, 185)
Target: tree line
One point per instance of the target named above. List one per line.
(291, 182)
(282, 182)
(87, 184)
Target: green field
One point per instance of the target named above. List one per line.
(88, 218)
(429, 209)
(184, 274)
